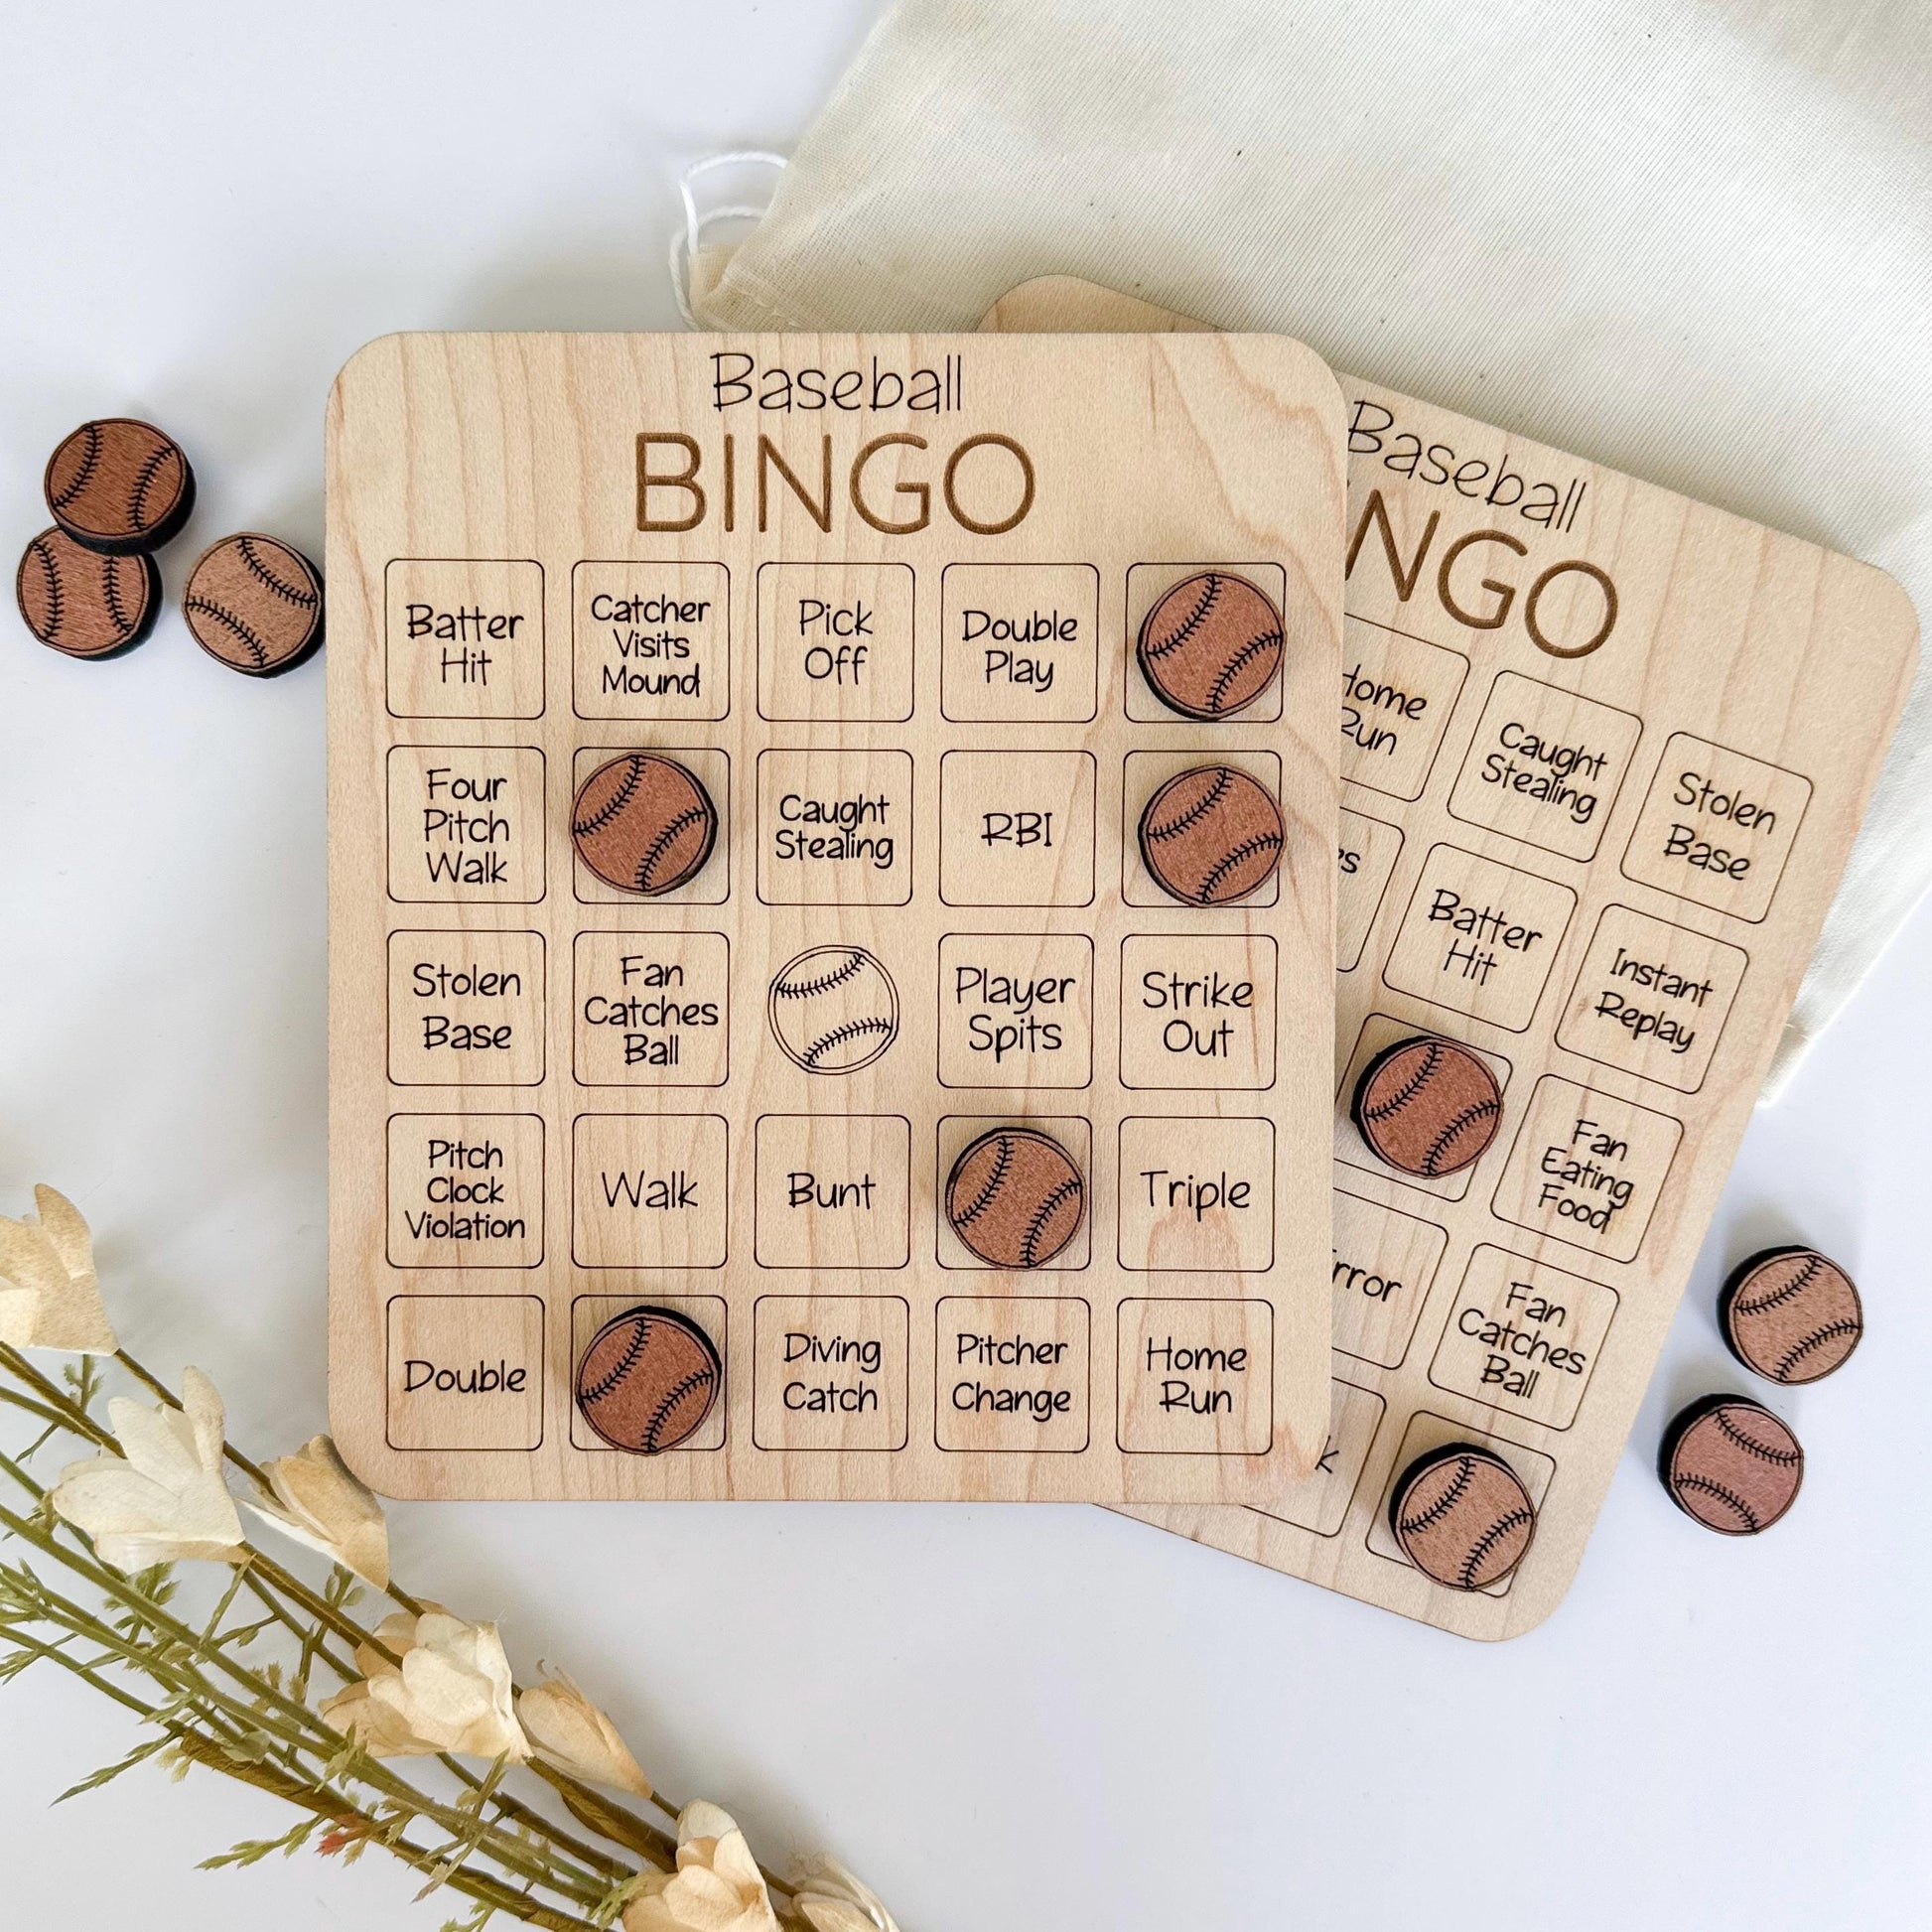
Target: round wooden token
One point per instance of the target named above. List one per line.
(82, 601)
(1015, 1197)
(644, 823)
(1211, 836)
(254, 605)
(1791, 1315)
(1427, 1106)
(648, 1380)
(120, 486)
(1463, 1516)
(1211, 645)
(1731, 1464)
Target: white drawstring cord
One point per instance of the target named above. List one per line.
(685, 242)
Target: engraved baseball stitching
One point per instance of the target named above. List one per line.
(304, 599)
(56, 608)
(1223, 780)
(1710, 1485)
(1784, 1458)
(1044, 1213)
(1477, 1110)
(1432, 1055)
(1761, 1304)
(79, 481)
(234, 623)
(1230, 862)
(144, 482)
(850, 1029)
(676, 1394)
(1212, 590)
(640, 1331)
(1487, 1541)
(1466, 1469)
(808, 988)
(110, 593)
(691, 815)
(632, 778)
(1002, 1160)
(1815, 1339)
(1233, 667)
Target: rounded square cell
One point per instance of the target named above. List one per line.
(1011, 1374)
(1016, 1010)
(1019, 643)
(466, 824)
(710, 884)
(464, 637)
(1380, 1031)
(1523, 1336)
(1383, 1267)
(1424, 1436)
(1716, 827)
(830, 1372)
(1215, 842)
(466, 1009)
(1367, 854)
(652, 1009)
(1479, 937)
(465, 1190)
(1321, 1503)
(1198, 1010)
(1016, 828)
(1545, 766)
(835, 828)
(649, 1190)
(1397, 695)
(833, 1191)
(710, 1313)
(1587, 1169)
(465, 1372)
(650, 640)
(835, 641)
(1283, 610)
(1196, 1377)
(1651, 997)
(1197, 1195)
(1072, 1133)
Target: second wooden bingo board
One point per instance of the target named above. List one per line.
(831, 877)
(1603, 753)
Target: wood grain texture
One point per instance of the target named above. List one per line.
(1502, 756)
(922, 917)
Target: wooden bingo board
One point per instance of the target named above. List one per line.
(740, 758)
(1604, 750)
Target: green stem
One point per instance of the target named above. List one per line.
(344, 1625)
(329, 1614)
(296, 1722)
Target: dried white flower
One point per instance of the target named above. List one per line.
(833, 1899)
(450, 1692)
(164, 1498)
(569, 1732)
(316, 1500)
(717, 1887)
(50, 1295)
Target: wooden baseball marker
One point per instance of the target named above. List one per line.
(832, 915)
(255, 603)
(1603, 753)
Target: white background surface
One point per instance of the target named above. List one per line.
(1005, 1718)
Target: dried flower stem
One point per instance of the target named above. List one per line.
(211, 1724)
(254, 1724)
